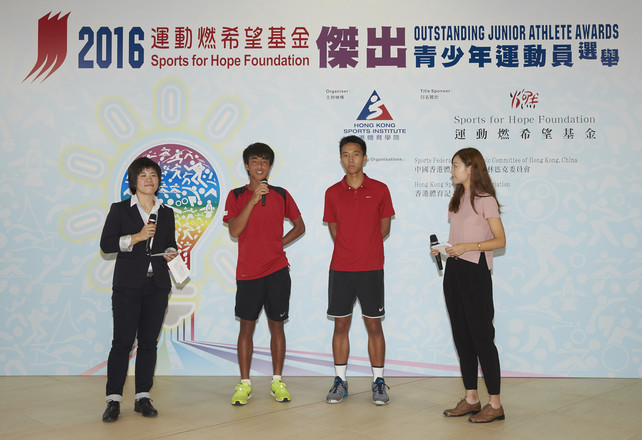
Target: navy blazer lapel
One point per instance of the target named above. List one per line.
(134, 215)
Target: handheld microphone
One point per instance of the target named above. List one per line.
(148, 243)
(263, 196)
(434, 241)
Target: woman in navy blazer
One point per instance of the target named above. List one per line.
(141, 283)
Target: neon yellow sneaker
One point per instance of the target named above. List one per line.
(242, 395)
(277, 389)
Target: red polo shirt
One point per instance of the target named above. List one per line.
(357, 212)
(261, 242)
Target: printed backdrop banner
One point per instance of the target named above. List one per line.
(549, 92)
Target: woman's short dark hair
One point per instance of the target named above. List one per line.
(258, 149)
(137, 167)
(353, 140)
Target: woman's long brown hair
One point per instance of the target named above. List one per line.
(480, 183)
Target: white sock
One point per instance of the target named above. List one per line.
(377, 372)
(276, 377)
(139, 396)
(247, 381)
(340, 370)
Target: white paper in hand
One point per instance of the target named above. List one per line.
(179, 269)
(442, 248)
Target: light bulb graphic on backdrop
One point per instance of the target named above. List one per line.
(188, 150)
(191, 187)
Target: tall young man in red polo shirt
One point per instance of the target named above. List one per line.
(255, 214)
(358, 211)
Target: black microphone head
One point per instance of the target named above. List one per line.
(263, 196)
(152, 218)
(433, 240)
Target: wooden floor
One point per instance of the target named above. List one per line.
(64, 407)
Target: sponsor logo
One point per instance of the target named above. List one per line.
(375, 123)
(524, 99)
(52, 45)
(374, 109)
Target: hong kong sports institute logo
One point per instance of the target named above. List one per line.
(52, 45)
(374, 109)
(375, 123)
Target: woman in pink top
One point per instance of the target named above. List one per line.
(475, 231)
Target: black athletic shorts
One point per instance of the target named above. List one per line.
(344, 288)
(271, 291)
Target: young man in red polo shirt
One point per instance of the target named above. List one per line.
(358, 211)
(255, 214)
